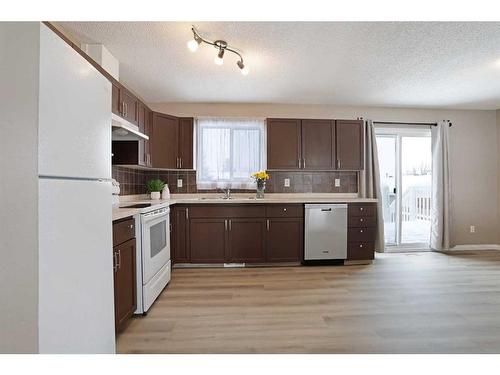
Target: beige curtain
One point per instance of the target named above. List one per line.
(370, 181)
(441, 197)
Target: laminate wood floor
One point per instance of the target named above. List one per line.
(402, 303)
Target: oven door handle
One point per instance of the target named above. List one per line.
(150, 216)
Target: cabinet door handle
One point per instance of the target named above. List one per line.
(361, 220)
(187, 213)
(361, 245)
(361, 231)
(304, 163)
(229, 224)
(225, 225)
(338, 164)
(267, 224)
(119, 265)
(115, 262)
(180, 162)
(299, 162)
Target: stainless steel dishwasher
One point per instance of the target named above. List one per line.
(325, 231)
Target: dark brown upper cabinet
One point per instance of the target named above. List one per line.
(318, 144)
(165, 141)
(186, 142)
(172, 142)
(141, 116)
(283, 143)
(349, 144)
(314, 144)
(124, 103)
(115, 100)
(129, 105)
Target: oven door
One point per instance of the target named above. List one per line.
(155, 242)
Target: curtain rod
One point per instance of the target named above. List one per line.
(407, 123)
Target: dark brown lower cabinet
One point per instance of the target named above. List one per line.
(124, 282)
(179, 245)
(362, 222)
(284, 239)
(246, 240)
(208, 240)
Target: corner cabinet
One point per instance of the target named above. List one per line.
(314, 144)
(172, 142)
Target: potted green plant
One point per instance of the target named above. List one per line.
(154, 187)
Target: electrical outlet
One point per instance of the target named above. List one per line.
(287, 182)
(179, 182)
(337, 182)
(473, 229)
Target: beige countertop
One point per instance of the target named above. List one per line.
(120, 212)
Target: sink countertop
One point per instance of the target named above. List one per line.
(119, 212)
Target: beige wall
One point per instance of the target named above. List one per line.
(498, 170)
(474, 167)
(19, 171)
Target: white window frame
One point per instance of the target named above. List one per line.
(233, 183)
(398, 132)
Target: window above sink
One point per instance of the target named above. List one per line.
(229, 150)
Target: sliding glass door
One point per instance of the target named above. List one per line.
(405, 174)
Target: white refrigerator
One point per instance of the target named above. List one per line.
(76, 308)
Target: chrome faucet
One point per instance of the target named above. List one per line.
(227, 193)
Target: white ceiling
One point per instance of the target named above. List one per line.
(404, 64)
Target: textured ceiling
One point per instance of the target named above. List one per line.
(408, 64)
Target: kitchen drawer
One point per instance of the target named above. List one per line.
(123, 231)
(362, 221)
(361, 234)
(362, 209)
(360, 250)
(226, 211)
(285, 210)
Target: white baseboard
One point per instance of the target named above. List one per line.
(474, 247)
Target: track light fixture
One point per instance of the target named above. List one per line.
(221, 45)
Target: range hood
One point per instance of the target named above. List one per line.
(123, 130)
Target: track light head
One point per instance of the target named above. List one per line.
(244, 70)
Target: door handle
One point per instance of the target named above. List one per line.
(180, 162)
(187, 213)
(267, 224)
(225, 225)
(338, 164)
(304, 163)
(229, 224)
(299, 162)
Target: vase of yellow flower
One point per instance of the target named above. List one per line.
(260, 178)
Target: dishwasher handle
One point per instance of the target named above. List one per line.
(326, 209)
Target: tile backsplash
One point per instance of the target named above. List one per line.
(132, 181)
